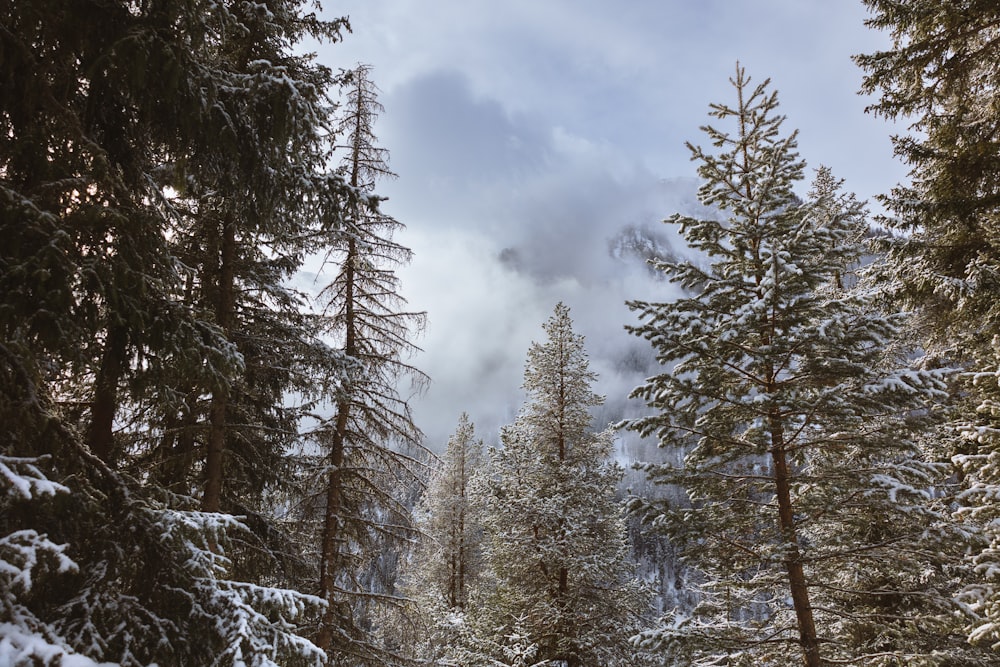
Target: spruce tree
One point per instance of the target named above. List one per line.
(554, 529)
(792, 423)
(121, 125)
(940, 75)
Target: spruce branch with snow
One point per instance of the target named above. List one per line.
(940, 74)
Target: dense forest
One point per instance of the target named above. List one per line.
(202, 464)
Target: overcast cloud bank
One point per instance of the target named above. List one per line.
(529, 136)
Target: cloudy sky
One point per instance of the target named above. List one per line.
(527, 134)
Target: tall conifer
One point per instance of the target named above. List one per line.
(941, 75)
(555, 533)
(791, 421)
(370, 439)
(123, 126)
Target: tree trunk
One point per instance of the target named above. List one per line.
(460, 584)
(793, 560)
(329, 561)
(176, 449)
(211, 500)
(331, 540)
(100, 434)
(225, 314)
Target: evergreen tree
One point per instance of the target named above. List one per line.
(555, 532)
(124, 126)
(450, 527)
(446, 565)
(369, 439)
(941, 75)
(243, 227)
(793, 422)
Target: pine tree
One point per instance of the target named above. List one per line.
(793, 423)
(941, 75)
(555, 532)
(370, 438)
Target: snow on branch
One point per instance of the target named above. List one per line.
(24, 480)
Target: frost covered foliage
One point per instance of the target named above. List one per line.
(555, 535)
(446, 565)
(940, 74)
(98, 565)
(979, 505)
(26, 557)
(513, 647)
(812, 527)
(450, 557)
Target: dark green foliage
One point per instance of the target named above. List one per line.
(941, 77)
(161, 178)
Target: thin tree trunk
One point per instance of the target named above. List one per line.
(329, 561)
(453, 567)
(225, 314)
(100, 434)
(176, 449)
(331, 540)
(793, 561)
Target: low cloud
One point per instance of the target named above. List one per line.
(508, 217)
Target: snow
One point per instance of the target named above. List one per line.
(25, 480)
(20, 647)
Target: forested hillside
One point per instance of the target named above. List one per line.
(206, 459)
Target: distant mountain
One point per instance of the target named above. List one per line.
(644, 243)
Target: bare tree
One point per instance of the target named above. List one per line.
(369, 440)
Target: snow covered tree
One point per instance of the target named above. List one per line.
(977, 505)
(102, 565)
(446, 564)
(513, 647)
(555, 532)
(941, 75)
(245, 217)
(369, 439)
(122, 126)
(451, 532)
(811, 527)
